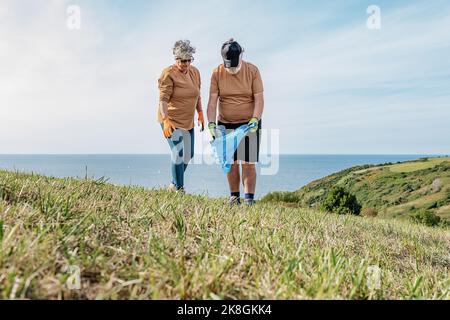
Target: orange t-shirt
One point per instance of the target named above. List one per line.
(181, 92)
(236, 92)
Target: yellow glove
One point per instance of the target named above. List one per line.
(212, 129)
(168, 127)
(254, 120)
(201, 121)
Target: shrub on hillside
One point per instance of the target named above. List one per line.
(278, 196)
(432, 205)
(341, 201)
(399, 200)
(427, 218)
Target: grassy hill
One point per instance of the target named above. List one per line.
(133, 243)
(392, 190)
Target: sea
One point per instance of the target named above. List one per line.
(203, 176)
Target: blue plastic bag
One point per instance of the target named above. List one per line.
(225, 145)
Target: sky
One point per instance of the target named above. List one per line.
(332, 85)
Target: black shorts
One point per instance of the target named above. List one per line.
(248, 149)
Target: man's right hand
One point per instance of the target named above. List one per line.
(168, 127)
(212, 129)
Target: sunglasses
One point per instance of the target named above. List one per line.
(185, 60)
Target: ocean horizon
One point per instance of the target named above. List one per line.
(284, 172)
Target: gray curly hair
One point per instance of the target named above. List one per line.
(183, 50)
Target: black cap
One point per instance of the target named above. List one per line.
(231, 52)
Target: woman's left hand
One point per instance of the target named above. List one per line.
(201, 121)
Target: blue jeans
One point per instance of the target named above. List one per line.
(182, 151)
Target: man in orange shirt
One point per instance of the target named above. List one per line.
(238, 87)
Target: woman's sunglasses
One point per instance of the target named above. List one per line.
(185, 60)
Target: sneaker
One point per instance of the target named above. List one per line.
(235, 200)
(249, 202)
(172, 188)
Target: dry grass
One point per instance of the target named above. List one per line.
(133, 243)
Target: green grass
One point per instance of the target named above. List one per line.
(417, 165)
(133, 243)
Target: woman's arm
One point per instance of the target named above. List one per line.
(199, 105)
(165, 86)
(201, 117)
(163, 109)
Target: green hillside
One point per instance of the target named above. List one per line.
(133, 243)
(392, 190)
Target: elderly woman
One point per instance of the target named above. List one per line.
(179, 98)
(237, 86)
